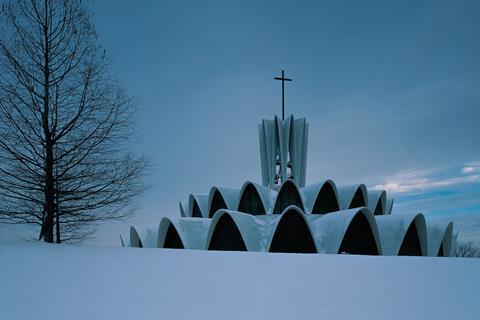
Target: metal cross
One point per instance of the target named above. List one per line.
(283, 79)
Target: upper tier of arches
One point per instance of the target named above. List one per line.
(320, 198)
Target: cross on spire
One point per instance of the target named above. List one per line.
(283, 79)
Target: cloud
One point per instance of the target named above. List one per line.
(415, 180)
(470, 168)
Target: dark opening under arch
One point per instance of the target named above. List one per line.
(217, 203)
(196, 213)
(292, 235)
(326, 200)
(250, 202)
(359, 238)
(411, 243)
(441, 252)
(287, 196)
(358, 200)
(379, 208)
(172, 239)
(140, 245)
(226, 236)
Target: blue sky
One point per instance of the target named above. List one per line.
(391, 91)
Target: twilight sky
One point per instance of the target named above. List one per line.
(391, 91)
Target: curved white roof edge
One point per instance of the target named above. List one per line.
(146, 235)
(202, 202)
(374, 198)
(329, 229)
(271, 233)
(346, 194)
(287, 181)
(311, 193)
(229, 196)
(440, 232)
(246, 224)
(393, 228)
(267, 195)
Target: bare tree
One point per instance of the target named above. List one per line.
(65, 123)
(466, 250)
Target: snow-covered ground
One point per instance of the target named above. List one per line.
(40, 281)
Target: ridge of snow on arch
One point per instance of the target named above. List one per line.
(440, 233)
(393, 230)
(329, 230)
(347, 194)
(312, 193)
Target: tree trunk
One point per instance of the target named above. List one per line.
(49, 179)
(57, 229)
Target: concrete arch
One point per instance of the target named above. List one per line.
(354, 196)
(183, 209)
(168, 235)
(250, 200)
(440, 238)
(327, 199)
(292, 233)
(359, 238)
(267, 195)
(403, 234)
(226, 235)
(321, 197)
(143, 237)
(414, 242)
(288, 195)
(446, 246)
(198, 206)
(389, 206)
(225, 223)
(215, 202)
(221, 198)
(135, 240)
(377, 202)
(351, 231)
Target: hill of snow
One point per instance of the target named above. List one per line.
(40, 281)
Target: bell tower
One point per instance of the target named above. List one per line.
(283, 150)
(283, 147)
